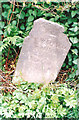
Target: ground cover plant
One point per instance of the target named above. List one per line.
(17, 21)
(39, 101)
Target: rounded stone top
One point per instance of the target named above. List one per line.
(46, 21)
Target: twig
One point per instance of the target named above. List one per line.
(12, 12)
(15, 4)
(7, 59)
(9, 13)
(16, 56)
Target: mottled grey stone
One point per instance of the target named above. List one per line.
(43, 53)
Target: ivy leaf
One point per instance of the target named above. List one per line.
(75, 61)
(14, 22)
(28, 28)
(74, 29)
(6, 6)
(47, 14)
(72, 75)
(29, 24)
(22, 27)
(30, 12)
(74, 40)
(35, 13)
(30, 18)
(22, 15)
(75, 51)
(75, 24)
(73, 13)
(52, 19)
(56, 18)
(5, 14)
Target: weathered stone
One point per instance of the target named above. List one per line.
(43, 53)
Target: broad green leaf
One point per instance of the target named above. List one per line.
(63, 17)
(75, 24)
(69, 55)
(5, 14)
(2, 24)
(28, 28)
(39, 13)
(22, 27)
(72, 75)
(30, 12)
(70, 63)
(52, 19)
(73, 13)
(71, 20)
(6, 6)
(27, 14)
(65, 28)
(35, 13)
(5, 33)
(75, 61)
(14, 22)
(47, 14)
(1, 32)
(0, 17)
(57, 17)
(66, 24)
(74, 40)
(29, 24)
(76, 45)
(29, 5)
(30, 18)
(74, 29)
(75, 51)
(9, 30)
(1, 43)
(22, 15)
(64, 64)
(17, 10)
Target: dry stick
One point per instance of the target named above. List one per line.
(2, 37)
(17, 5)
(16, 56)
(9, 13)
(12, 12)
(47, 9)
(32, 5)
(7, 59)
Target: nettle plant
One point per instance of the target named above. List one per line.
(39, 101)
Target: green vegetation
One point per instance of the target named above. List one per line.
(36, 100)
(40, 101)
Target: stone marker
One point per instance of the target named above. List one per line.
(43, 53)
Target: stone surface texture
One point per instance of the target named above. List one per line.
(43, 53)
